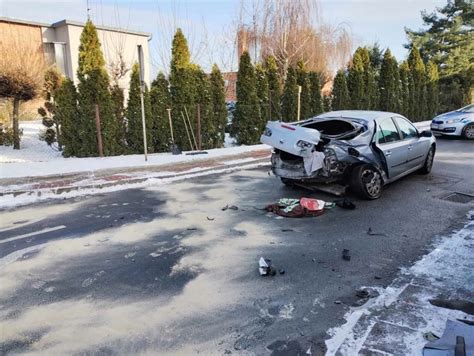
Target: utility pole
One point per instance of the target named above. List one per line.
(142, 89)
(98, 131)
(299, 104)
(198, 126)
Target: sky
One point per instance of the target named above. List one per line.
(212, 21)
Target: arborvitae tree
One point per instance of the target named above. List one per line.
(262, 92)
(289, 99)
(370, 98)
(134, 115)
(418, 86)
(316, 98)
(327, 105)
(355, 82)
(376, 56)
(117, 102)
(389, 84)
(67, 114)
(274, 87)
(182, 88)
(219, 109)
(432, 91)
(404, 89)
(340, 94)
(93, 89)
(247, 117)
(160, 102)
(52, 82)
(303, 80)
(204, 98)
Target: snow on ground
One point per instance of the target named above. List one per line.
(395, 321)
(32, 149)
(229, 141)
(36, 158)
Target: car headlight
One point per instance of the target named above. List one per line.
(304, 144)
(267, 132)
(453, 121)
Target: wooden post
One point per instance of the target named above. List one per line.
(299, 104)
(16, 126)
(98, 131)
(171, 124)
(198, 126)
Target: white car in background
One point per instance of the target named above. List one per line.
(455, 123)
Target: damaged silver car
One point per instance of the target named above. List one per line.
(360, 150)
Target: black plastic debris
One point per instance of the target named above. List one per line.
(346, 255)
(345, 204)
(196, 153)
(363, 293)
(287, 230)
(230, 207)
(371, 233)
(265, 267)
(210, 219)
(281, 271)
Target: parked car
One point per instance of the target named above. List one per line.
(455, 123)
(362, 150)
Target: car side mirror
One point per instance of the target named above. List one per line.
(426, 133)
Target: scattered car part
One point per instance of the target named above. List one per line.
(346, 255)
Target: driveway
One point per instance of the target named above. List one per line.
(166, 270)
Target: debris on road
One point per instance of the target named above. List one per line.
(429, 336)
(287, 230)
(337, 302)
(281, 271)
(371, 233)
(210, 219)
(230, 207)
(297, 208)
(346, 254)
(265, 267)
(345, 204)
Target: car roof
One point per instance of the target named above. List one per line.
(366, 115)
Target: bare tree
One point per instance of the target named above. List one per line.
(294, 30)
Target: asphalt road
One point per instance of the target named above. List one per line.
(166, 270)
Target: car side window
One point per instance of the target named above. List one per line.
(406, 128)
(387, 132)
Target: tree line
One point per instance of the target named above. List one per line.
(189, 93)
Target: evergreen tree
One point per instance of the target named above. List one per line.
(160, 102)
(93, 89)
(134, 115)
(262, 92)
(117, 103)
(340, 94)
(52, 82)
(376, 56)
(432, 77)
(182, 88)
(355, 83)
(404, 89)
(305, 99)
(389, 84)
(273, 87)
(67, 114)
(447, 39)
(209, 131)
(289, 99)
(370, 97)
(247, 111)
(219, 109)
(316, 98)
(418, 86)
(327, 105)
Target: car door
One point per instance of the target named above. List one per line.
(416, 145)
(394, 149)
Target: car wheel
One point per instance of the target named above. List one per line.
(288, 182)
(366, 182)
(468, 131)
(428, 161)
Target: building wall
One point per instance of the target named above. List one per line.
(230, 86)
(114, 44)
(21, 37)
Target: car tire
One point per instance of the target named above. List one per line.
(426, 169)
(366, 182)
(288, 182)
(468, 131)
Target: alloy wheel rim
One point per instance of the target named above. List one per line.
(373, 185)
(430, 159)
(470, 131)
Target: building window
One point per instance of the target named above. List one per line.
(55, 54)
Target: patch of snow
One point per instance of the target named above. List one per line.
(32, 148)
(229, 141)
